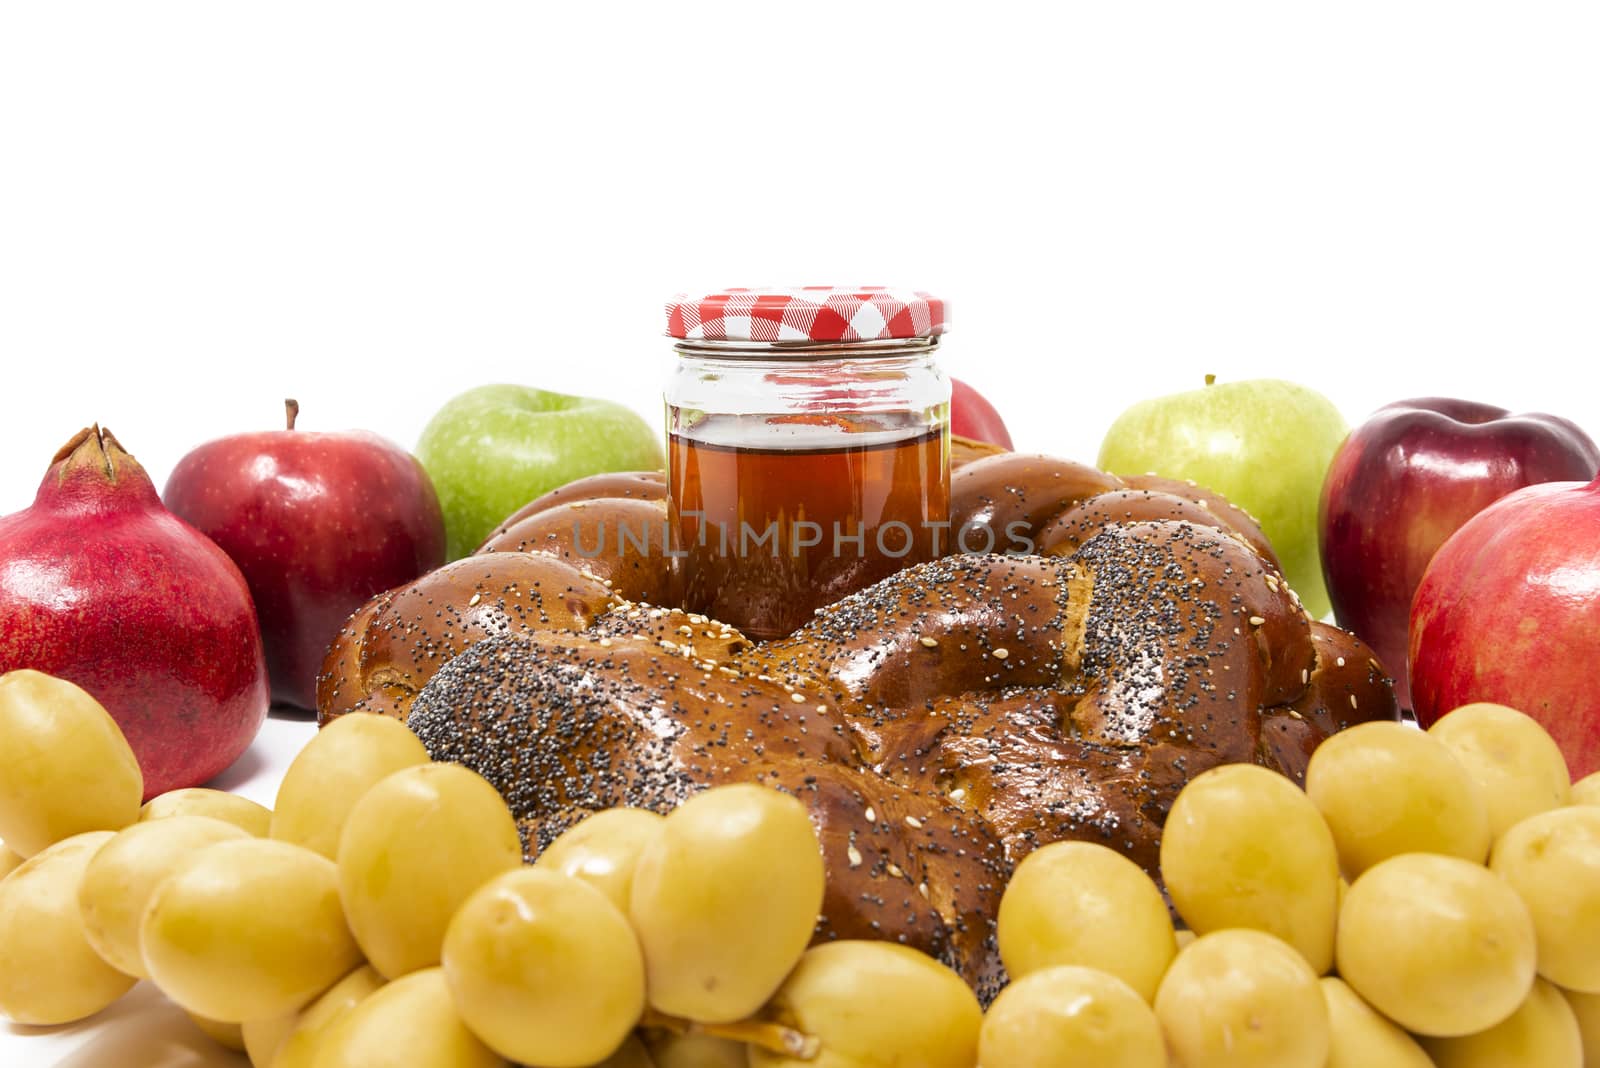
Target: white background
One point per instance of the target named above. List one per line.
(205, 207)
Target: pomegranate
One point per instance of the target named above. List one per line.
(1508, 611)
(102, 585)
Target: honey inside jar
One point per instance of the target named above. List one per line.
(774, 519)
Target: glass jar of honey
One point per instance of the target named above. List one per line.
(808, 447)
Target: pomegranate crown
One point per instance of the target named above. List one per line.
(94, 445)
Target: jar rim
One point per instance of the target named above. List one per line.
(867, 349)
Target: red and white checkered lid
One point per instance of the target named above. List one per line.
(806, 313)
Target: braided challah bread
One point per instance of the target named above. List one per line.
(939, 725)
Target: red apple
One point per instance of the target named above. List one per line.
(1509, 611)
(319, 523)
(101, 585)
(1408, 478)
(972, 416)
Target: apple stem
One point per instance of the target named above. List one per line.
(291, 408)
(1211, 380)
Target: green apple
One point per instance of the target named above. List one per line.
(493, 449)
(1265, 444)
